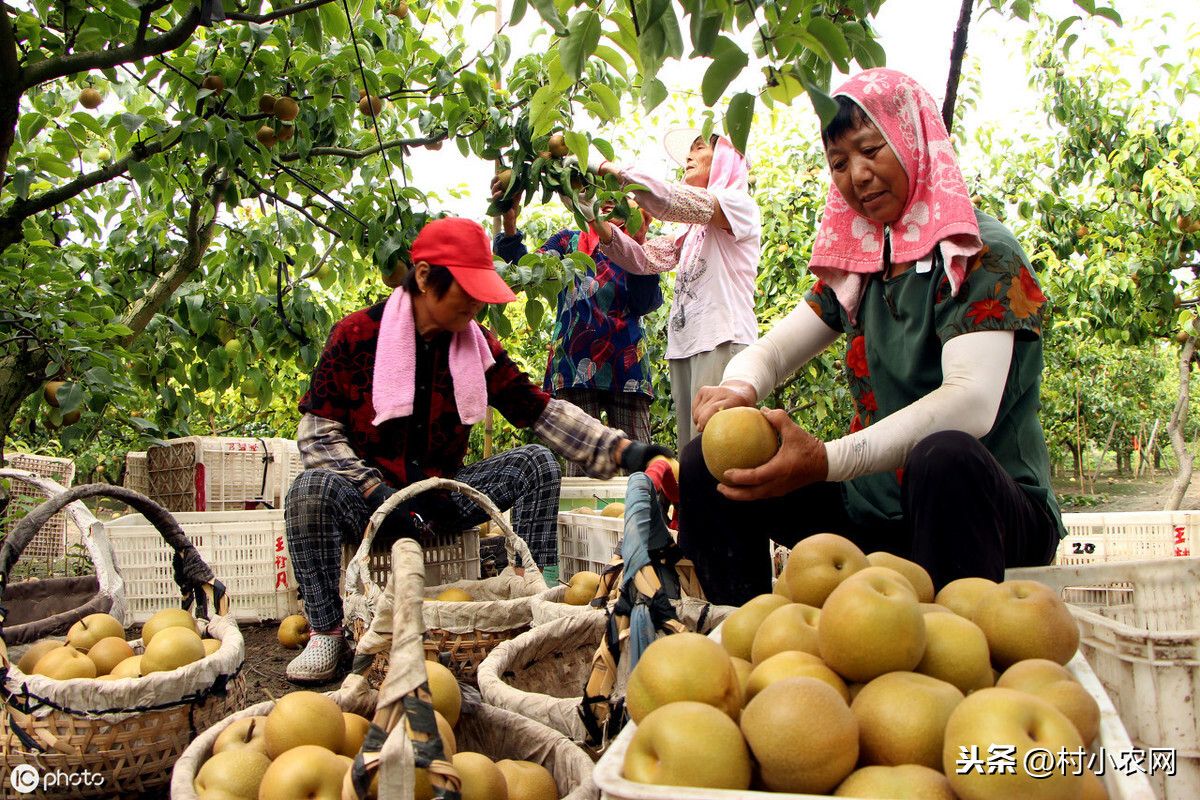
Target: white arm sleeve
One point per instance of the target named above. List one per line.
(974, 373)
(794, 340)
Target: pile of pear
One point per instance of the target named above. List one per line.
(95, 648)
(853, 678)
(303, 747)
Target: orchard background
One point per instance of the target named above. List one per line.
(173, 258)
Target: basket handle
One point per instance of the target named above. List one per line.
(194, 577)
(358, 570)
(404, 695)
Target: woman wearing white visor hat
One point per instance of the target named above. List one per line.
(715, 258)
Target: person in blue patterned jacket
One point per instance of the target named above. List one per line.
(598, 357)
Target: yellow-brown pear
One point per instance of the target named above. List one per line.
(739, 628)
(802, 734)
(902, 718)
(793, 664)
(956, 651)
(790, 627)
(683, 666)
(962, 595)
(1026, 619)
(869, 626)
(917, 575)
(817, 564)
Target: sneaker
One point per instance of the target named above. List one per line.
(321, 661)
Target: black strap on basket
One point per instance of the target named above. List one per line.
(191, 573)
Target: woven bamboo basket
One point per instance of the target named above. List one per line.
(494, 732)
(541, 674)
(462, 633)
(49, 607)
(570, 673)
(117, 738)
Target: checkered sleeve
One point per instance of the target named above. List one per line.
(571, 433)
(324, 445)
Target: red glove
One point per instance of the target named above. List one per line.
(660, 471)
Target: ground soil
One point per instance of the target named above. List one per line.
(1111, 493)
(266, 662)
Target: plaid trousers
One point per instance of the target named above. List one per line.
(324, 509)
(625, 411)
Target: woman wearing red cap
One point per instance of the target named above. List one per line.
(393, 400)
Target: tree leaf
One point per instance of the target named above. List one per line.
(131, 122)
(831, 38)
(543, 110)
(653, 93)
(608, 99)
(580, 43)
(141, 172)
(705, 28)
(518, 12)
(739, 119)
(534, 311)
(614, 60)
(825, 106)
(728, 62)
(549, 13)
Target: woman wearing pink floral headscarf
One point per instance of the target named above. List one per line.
(715, 258)
(945, 461)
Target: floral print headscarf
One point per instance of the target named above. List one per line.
(937, 214)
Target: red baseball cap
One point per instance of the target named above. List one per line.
(463, 247)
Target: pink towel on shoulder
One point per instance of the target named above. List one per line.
(394, 379)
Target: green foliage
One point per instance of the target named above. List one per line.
(177, 255)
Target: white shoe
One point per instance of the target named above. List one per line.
(320, 660)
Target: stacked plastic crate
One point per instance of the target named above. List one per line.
(208, 473)
(51, 541)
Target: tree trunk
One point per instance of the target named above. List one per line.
(957, 50)
(1104, 452)
(1177, 425)
(1148, 450)
(21, 373)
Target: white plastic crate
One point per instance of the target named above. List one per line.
(137, 472)
(1113, 739)
(51, 541)
(590, 492)
(1127, 536)
(210, 473)
(586, 542)
(287, 466)
(1140, 632)
(247, 551)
